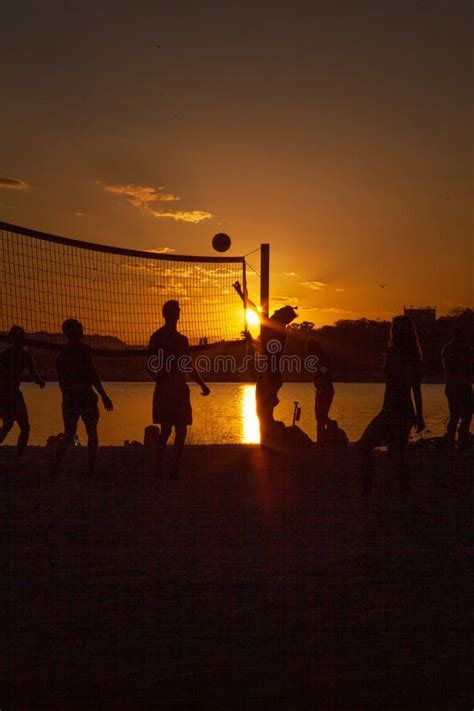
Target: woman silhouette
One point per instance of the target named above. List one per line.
(393, 424)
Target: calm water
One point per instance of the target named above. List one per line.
(227, 415)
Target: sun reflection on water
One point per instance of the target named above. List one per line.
(251, 426)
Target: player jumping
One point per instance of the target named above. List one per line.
(272, 343)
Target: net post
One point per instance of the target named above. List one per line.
(244, 284)
(264, 278)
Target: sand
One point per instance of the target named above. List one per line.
(256, 581)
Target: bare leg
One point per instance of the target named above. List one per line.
(92, 445)
(322, 405)
(178, 446)
(266, 397)
(5, 429)
(374, 435)
(69, 434)
(165, 433)
(366, 466)
(464, 427)
(23, 437)
(266, 425)
(453, 421)
(397, 449)
(321, 425)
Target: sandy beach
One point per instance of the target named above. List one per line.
(257, 580)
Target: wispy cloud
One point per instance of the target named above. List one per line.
(146, 198)
(315, 285)
(329, 309)
(14, 184)
(335, 310)
(141, 195)
(285, 299)
(182, 215)
(340, 290)
(290, 274)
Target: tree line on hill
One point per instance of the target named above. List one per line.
(357, 348)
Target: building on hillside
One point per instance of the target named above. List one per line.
(422, 316)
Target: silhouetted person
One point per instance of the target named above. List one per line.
(14, 361)
(272, 343)
(393, 424)
(457, 363)
(323, 384)
(78, 380)
(168, 363)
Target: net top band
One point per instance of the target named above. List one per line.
(46, 237)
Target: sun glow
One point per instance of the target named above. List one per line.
(253, 319)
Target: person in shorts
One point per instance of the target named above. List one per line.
(14, 362)
(79, 383)
(457, 362)
(168, 363)
(324, 390)
(392, 426)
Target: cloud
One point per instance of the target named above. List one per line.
(145, 198)
(141, 195)
(340, 290)
(315, 285)
(285, 299)
(14, 184)
(181, 215)
(330, 309)
(290, 274)
(335, 310)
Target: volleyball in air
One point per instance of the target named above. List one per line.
(221, 242)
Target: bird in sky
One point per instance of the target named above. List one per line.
(382, 286)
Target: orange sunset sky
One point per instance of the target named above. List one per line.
(340, 132)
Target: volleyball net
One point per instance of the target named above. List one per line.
(116, 293)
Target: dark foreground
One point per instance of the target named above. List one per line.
(255, 581)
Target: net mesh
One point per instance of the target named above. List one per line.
(116, 293)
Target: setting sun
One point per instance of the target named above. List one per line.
(252, 317)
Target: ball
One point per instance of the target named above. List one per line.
(221, 242)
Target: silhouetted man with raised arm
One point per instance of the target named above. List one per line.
(14, 361)
(168, 363)
(272, 343)
(457, 359)
(78, 380)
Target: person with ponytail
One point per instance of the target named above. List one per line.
(402, 406)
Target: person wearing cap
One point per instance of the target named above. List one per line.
(272, 343)
(14, 362)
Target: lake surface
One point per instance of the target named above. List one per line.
(227, 416)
